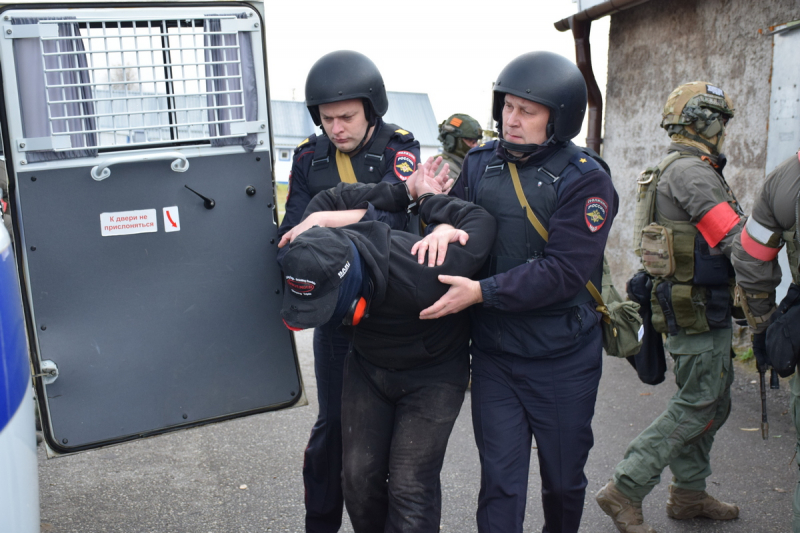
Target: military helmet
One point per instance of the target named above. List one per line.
(458, 126)
(548, 79)
(344, 75)
(701, 106)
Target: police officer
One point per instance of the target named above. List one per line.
(458, 134)
(686, 222)
(536, 336)
(404, 379)
(773, 223)
(345, 95)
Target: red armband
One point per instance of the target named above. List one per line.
(717, 223)
(758, 250)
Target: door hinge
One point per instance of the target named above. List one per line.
(49, 372)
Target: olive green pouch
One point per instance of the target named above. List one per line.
(690, 309)
(658, 319)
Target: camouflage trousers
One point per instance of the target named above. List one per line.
(681, 437)
(795, 410)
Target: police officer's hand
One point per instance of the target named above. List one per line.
(435, 244)
(462, 293)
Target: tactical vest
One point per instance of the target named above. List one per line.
(692, 285)
(517, 241)
(369, 166)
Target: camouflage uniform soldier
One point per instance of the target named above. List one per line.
(686, 221)
(755, 259)
(459, 134)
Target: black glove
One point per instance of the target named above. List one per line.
(639, 288)
(760, 350)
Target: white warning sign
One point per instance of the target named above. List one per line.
(172, 220)
(128, 222)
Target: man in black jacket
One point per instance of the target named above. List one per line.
(346, 97)
(404, 378)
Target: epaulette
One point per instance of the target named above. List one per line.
(490, 145)
(584, 162)
(403, 135)
(307, 141)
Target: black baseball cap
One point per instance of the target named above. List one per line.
(313, 268)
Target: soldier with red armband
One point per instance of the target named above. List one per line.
(687, 220)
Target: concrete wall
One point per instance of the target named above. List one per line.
(661, 44)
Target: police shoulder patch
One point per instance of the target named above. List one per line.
(595, 213)
(405, 163)
(585, 162)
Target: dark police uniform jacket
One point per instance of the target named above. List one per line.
(393, 336)
(535, 300)
(314, 170)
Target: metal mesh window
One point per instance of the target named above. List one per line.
(150, 81)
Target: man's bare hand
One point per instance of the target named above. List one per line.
(327, 219)
(425, 170)
(435, 244)
(434, 184)
(462, 293)
(314, 219)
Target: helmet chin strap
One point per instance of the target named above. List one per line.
(714, 147)
(526, 150)
(361, 144)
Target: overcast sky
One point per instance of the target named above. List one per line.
(422, 46)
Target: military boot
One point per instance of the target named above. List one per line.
(683, 504)
(626, 514)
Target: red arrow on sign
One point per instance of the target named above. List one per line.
(174, 225)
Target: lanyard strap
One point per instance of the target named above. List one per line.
(543, 233)
(345, 167)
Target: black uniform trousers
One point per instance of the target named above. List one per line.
(396, 424)
(322, 465)
(552, 399)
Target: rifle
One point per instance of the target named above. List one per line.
(762, 361)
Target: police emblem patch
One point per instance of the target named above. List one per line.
(595, 213)
(302, 287)
(710, 89)
(405, 163)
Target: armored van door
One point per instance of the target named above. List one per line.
(138, 149)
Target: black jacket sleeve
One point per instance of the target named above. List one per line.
(383, 196)
(460, 260)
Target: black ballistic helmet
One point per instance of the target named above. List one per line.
(548, 79)
(344, 75)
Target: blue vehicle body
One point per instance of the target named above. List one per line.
(19, 487)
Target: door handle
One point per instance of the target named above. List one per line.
(102, 170)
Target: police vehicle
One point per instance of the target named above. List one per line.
(142, 282)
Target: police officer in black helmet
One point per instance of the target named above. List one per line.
(536, 336)
(346, 97)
